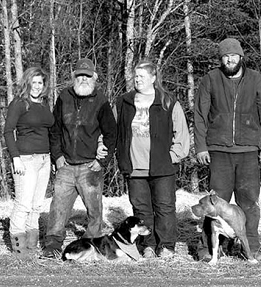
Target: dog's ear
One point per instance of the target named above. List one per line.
(213, 199)
(212, 192)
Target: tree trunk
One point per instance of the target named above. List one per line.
(17, 42)
(130, 44)
(191, 85)
(110, 60)
(190, 77)
(154, 24)
(8, 74)
(52, 58)
(259, 26)
(79, 31)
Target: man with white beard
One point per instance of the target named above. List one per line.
(82, 113)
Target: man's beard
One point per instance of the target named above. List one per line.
(230, 72)
(84, 89)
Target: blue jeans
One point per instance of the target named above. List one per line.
(239, 173)
(30, 190)
(153, 199)
(71, 181)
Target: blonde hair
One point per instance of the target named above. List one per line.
(24, 87)
(151, 68)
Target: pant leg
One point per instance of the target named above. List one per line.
(25, 186)
(164, 206)
(140, 199)
(222, 174)
(62, 203)
(90, 187)
(247, 194)
(43, 168)
(222, 180)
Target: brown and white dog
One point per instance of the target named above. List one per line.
(228, 220)
(119, 245)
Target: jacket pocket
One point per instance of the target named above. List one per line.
(220, 129)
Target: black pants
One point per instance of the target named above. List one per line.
(239, 173)
(153, 200)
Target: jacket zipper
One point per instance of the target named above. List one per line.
(76, 127)
(234, 118)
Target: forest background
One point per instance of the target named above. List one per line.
(180, 36)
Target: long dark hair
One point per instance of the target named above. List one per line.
(166, 97)
(24, 87)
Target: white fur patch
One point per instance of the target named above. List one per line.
(86, 255)
(225, 229)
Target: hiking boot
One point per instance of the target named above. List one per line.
(165, 252)
(32, 238)
(149, 253)
(19, 244)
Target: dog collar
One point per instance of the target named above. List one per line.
(130, 249)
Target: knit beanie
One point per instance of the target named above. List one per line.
(230, 46)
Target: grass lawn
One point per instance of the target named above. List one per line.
(181, 267)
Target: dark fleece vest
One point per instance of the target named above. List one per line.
(161, 133)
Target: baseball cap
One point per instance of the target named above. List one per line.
(84, 67)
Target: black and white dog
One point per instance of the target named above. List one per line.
(119, 245)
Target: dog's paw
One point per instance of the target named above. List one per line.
(252, 261)
(212, 262)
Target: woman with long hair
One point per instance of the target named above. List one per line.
(153, 137)
(27, 138)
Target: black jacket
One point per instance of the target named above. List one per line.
(79, 121)
(225, 117)
(161, 133)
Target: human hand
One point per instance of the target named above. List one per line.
(95, 165)
(102, 151)
(60, 162)
(19, 167)
(203, 157)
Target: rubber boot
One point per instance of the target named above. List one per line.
(32, 237)
(19, 244)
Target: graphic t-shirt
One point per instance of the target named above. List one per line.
(140, 145)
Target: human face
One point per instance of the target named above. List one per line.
(143, 81)
(84, 85)
(37, 85)
(231, 64)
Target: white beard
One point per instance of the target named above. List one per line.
(84, 89)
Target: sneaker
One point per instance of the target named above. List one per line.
(165, 252)
(51, 253)
(149, 253)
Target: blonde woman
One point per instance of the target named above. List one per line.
(27, 138)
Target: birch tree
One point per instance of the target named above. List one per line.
(191, 85)
(129, 43)
(17, 41)
(6, 28)
(155, 23)
(52, 57)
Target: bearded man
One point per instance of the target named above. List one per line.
(227, 133)
(82, 114)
